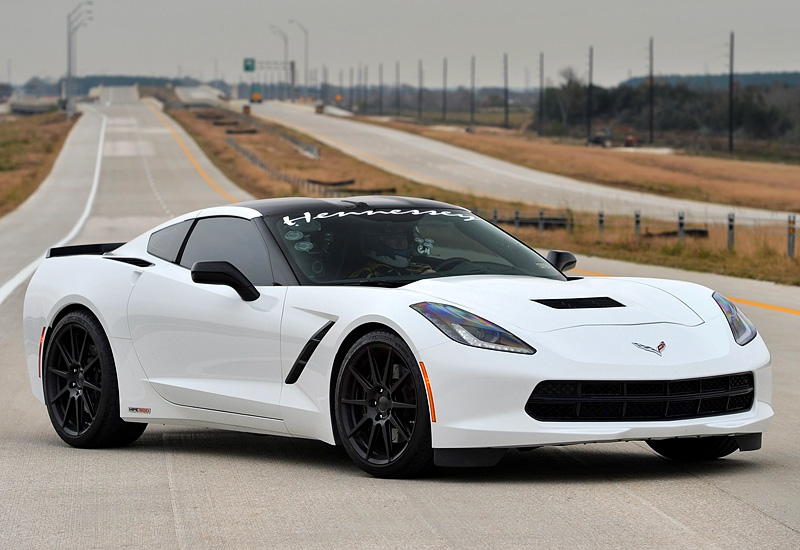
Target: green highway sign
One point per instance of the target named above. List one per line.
(249, 64)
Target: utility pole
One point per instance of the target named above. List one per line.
(397, 87)
(77, 18)
(351, 89)
(366, 88)
(305, 55)
(323, 87)
(730, 102)
(589, 97)
(419, 93)
(359, 89)
(652, 91)
(444, 90)
(541, 93)
(472, 95)
(380, 89)
(505, 86)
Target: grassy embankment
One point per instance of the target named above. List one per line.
(28, 149)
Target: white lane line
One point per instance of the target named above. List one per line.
(149, 174)
(12, 284)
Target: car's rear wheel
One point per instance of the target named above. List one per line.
(381, 408)
(80, 385)
(694, 449)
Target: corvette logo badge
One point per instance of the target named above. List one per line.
(656, 350)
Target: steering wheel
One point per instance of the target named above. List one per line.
(450, 263)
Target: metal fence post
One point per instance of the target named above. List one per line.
(541, 221)
(516, 220)
(601, 221)
(494, 217)
(637, 225)
(681, 226)
(730, 231)
(790, 244)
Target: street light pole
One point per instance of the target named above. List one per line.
(81, 18)
(305, 56)
(278, 30)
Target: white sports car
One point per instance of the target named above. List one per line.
(409, 331)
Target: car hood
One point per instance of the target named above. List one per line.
(508, 300)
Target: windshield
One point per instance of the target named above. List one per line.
(396, 247)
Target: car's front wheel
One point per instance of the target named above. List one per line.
(80, 385)
(694, 449)
(381, 408)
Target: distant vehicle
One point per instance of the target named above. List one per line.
(411, 332)
(255, 95)
(602, 138)
(631, 140)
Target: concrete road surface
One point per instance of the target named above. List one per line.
(436, 163)
(186, 488)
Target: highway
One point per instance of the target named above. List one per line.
(125, 167)
(435, 163)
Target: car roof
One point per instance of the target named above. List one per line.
(290, 205)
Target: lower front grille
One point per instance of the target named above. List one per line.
(608, 401)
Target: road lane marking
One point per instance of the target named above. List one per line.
(762, 305)
(765, 306)
(12, 284)
(188, 154)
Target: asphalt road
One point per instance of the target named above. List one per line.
(436, 163)
(190, 488)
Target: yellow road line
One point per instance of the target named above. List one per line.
(185, 149)
(765, 306)
(762, 305)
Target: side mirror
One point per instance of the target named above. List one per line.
(562, 260)
(224, 273)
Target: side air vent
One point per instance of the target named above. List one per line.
(138, 262)
(580, 303)
(306, 353)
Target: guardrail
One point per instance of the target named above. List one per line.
(326, 189)
(308, 149)
(680, 229)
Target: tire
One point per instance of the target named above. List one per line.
(695, 449)
(381, 408)
(80, 385)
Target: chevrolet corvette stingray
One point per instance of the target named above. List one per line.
(411, 332)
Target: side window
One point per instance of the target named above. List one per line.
(229, 239)
(166, 243)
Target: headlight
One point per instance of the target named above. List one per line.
(743, 330)
(471, 330)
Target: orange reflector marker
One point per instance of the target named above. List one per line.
(41, 345)
(428, 388)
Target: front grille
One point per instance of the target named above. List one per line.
(607, 401)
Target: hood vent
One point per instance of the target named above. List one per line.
(580, 303)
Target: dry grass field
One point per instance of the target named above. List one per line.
(773, 186)
(28, 148)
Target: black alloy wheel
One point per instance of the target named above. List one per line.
(80, 385)
(381, 408)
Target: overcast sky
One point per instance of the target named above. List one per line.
(205, 38)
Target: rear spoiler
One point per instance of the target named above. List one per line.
(82, 249)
